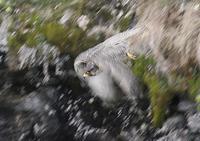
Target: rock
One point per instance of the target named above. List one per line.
(66, 16)
(133, 135)
(3, 77)
(37, 101)
(29, 117)
(173, 123)
(177, 135)
(187, 107)
(194, 123)
(2, 57)
(100, 137)
(83, 21)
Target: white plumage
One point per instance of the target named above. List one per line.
(104, 70)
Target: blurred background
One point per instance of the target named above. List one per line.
(41, 98)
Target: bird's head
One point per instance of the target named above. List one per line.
(86, 68)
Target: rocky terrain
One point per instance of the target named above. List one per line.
(41, 99)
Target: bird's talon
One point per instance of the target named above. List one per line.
(131, 56)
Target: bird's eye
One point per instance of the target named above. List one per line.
(82, 64)
(94, 68)
(91, 70)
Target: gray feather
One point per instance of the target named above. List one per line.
(109, 57)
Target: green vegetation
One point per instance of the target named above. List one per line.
(125, 22)
(160, 95)
(160, 90)
(194, 86)
(30, 26)
(25, 29)
(55, 34)
(7, 6)
(36, 22)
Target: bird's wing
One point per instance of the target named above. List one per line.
(114, 47)
(122, 74)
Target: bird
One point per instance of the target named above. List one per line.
(169, 34)
(104, 70)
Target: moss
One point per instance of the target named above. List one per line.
(79, 41)
(31, 29)
(194, 86)
(32, 39)
(24, 30)
(81, 6)
(17, 40)
(105, 14)
(197, 98)
(18, 37)
(125, 22)
(159, 91)
(189, 82)
(2, 2)
(13, 43)
(142, 65)
(75, 34)
(6, 6)
(66, 38)
(56, 34)
(1, 20)
(160, 95)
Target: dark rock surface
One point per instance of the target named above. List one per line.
(193, 123)
(62, 109)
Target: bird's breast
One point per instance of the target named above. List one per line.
(102, 86)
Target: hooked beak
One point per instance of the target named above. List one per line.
(131, 56)
(86, 74)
